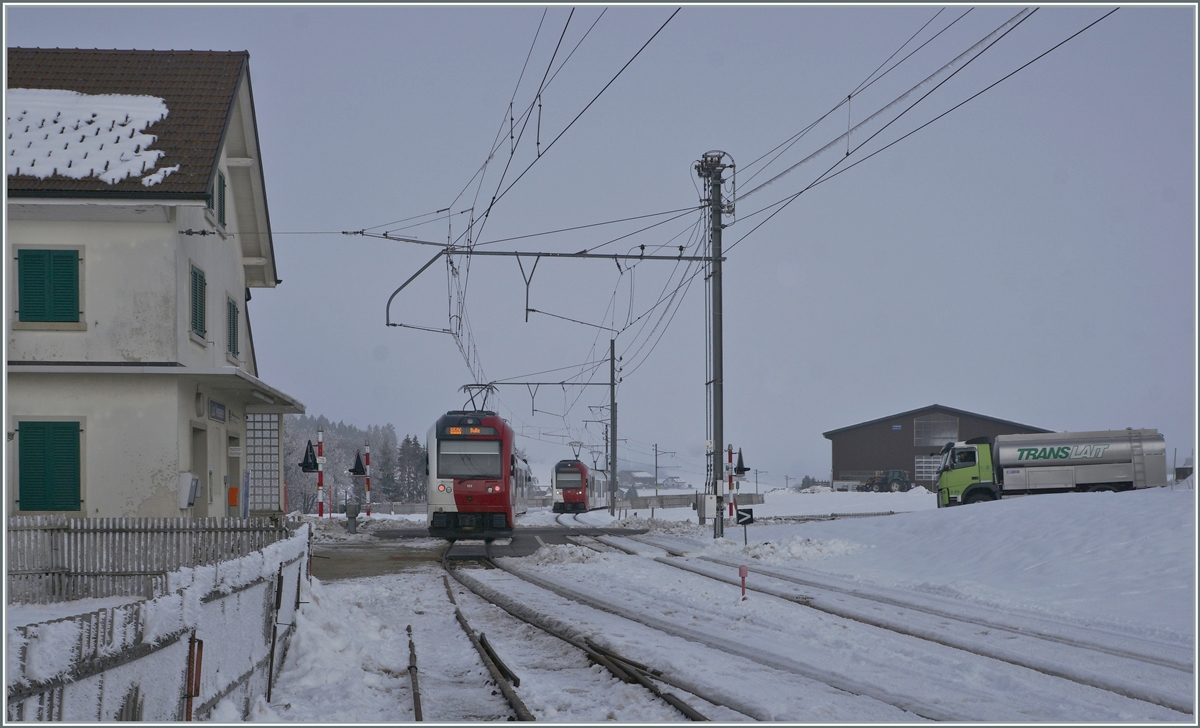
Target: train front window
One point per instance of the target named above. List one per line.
(469, 459)
(570, 480)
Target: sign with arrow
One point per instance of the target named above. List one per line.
(745, 516)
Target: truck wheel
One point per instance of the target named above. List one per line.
(977, 498)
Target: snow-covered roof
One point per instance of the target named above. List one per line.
(172, 109)
(58, 132)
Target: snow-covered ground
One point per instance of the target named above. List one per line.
(1117, 569)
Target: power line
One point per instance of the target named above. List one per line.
(499, 196)
(825, 176)
(1005, 27)
(956, 106)
(589, 225)
(790, 141)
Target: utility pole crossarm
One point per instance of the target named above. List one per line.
(581, 254)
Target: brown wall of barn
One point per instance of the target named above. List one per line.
(890, 443)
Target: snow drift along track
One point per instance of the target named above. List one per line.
(1074, 660)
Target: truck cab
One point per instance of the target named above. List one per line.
(966, 474)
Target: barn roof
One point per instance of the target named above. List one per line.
(932, 407)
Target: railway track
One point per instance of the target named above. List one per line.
(1077, 660)
(1099, 640)
(622, 668)
(1014, 651)
(1024, 645)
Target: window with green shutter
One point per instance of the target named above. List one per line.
(231, 315)
(48, 283)
(221, 197)
(199, 287)
(49, 466)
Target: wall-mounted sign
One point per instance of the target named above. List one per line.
(216, 411)
(235, 451)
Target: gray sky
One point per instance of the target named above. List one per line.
(1030, 256)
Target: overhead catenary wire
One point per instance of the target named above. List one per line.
(461, 283)
(986, 42)
(826, 176)
(688, 276)
(684, 285)
(787, 144)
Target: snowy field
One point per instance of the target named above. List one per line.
(1115, 567)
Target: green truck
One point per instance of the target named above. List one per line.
(982, 469)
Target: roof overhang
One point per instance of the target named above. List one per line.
(259, 396)
(95, 209)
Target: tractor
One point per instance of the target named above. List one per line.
(884, 481)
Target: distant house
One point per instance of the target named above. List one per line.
(137, 227)
(909, 441)
(674, 482)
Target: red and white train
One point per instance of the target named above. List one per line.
(476, 485)
(577, 488)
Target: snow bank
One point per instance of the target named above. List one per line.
(223, 602)
(1123, 558)
(790, 550)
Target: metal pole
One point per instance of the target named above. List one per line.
(612, 429)
(711, 167)
(368, 449)
(320, 471)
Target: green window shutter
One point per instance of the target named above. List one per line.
(34, 297)
(50, 466)
(221, 197)
(231, 311)
(199, 287)
(64, 285)
(48, 282)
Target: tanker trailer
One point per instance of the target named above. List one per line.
(1056, 462)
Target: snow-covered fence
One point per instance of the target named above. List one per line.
(205, 647)
(55, 558)
(685, 500)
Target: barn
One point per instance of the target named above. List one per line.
(909, 441)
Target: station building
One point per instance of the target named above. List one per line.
(137, 227)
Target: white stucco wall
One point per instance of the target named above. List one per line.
(129, 450)
(135, 287)
(128, 292)
(137, 438)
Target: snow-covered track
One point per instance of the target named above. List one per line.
(502, 676)
(810, 672)
(853, 657)
(1141, 649)
(1133, 673)
(622, 668)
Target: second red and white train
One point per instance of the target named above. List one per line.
(577, 488)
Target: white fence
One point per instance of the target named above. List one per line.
(211, 632)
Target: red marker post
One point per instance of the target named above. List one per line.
(731, 500)
(321, 473)
(743, 572)
(368, 453)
